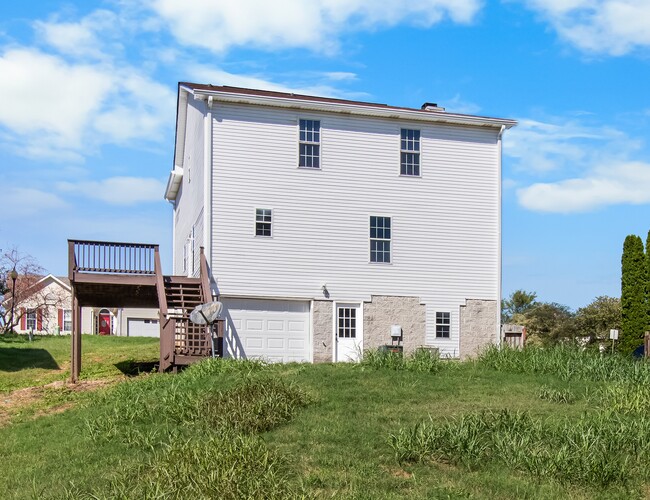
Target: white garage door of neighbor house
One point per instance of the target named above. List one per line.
(142, 327)
(275, 330)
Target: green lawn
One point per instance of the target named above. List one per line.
(47, 358)
(225, 429)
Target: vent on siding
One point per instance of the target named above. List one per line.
(431, 106)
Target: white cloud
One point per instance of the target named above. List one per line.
(316, 86)
(613, 27)
(218, 25)
(624, 183)
(457, 105)
(83, 38)
(561, 144)
(117, 190)
(58, 109)
(29, 201)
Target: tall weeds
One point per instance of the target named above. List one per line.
(421, 360)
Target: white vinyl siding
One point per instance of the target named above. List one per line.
(190, 197)
(445, 227)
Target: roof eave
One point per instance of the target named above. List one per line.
(355, 109)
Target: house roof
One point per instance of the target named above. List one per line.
(240, 95)
(39, 285)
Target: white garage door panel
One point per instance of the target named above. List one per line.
(142, 327)
(275, 330)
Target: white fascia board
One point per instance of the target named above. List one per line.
(359, 109)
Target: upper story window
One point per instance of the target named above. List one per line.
(309, 144)
(443, 323)
(410, 152)
(380, 239)
(263, 221)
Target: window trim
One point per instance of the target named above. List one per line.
(417, 151)
(64, 321)
(311, 143)
(441, 323)
(371, 239)
(28, 314)
(270, 223)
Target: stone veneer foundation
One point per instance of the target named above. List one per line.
(384, 311)
(478, 326)
(322, 331)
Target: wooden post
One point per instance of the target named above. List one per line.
(646, 345)
(75, 364)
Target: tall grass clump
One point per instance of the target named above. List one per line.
(568, 363)
(420, 360)
(599, 449)
(225, 466)
(562, 396)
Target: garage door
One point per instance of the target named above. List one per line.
(142, 327)
(275, 330)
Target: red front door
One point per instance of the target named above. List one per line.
(104, 324)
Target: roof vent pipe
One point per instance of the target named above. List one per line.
(431, 106)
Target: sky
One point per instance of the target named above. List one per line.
(88, 103)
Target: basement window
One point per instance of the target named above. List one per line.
(443, 324)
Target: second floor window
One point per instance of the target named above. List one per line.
(380, 237)
(410, 152)
(263, 221)
(309, 144)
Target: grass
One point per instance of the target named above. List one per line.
(46, 359)
(511, 425)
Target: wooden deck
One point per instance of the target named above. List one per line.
(111, 274)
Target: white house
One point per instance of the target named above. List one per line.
(329, 224)
(46, 308)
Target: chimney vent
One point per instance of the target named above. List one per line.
(431, 106)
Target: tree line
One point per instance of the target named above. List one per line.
(549, 323)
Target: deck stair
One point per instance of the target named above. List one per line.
(109, 274)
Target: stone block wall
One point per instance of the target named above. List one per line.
(384, 311)
(478, 326)
(322, 331)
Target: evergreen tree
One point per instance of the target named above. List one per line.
(633, 294)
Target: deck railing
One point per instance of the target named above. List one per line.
(112, 257)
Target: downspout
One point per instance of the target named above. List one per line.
(207, 182)
(499, 251)
(174, 204)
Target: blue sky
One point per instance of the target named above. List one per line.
(88, 94)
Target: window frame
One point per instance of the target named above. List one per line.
(443, 324)
(66, 312)
(307, 143)
(404, 151)
(29, 318)
(264, 223)
(372, 239)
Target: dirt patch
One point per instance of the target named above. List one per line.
(23, 399)
(398, 472)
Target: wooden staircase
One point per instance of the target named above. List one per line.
(111, 274)
(181, 341)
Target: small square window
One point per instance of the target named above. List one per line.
(410, 152)
(263, 221)
(443, 324)
(309, 149)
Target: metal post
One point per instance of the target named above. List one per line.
(13, 275)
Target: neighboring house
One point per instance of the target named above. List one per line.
(329, 224)
(46, 308)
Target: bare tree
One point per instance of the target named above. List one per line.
(29, 294)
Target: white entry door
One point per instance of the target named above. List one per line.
(349, 333)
